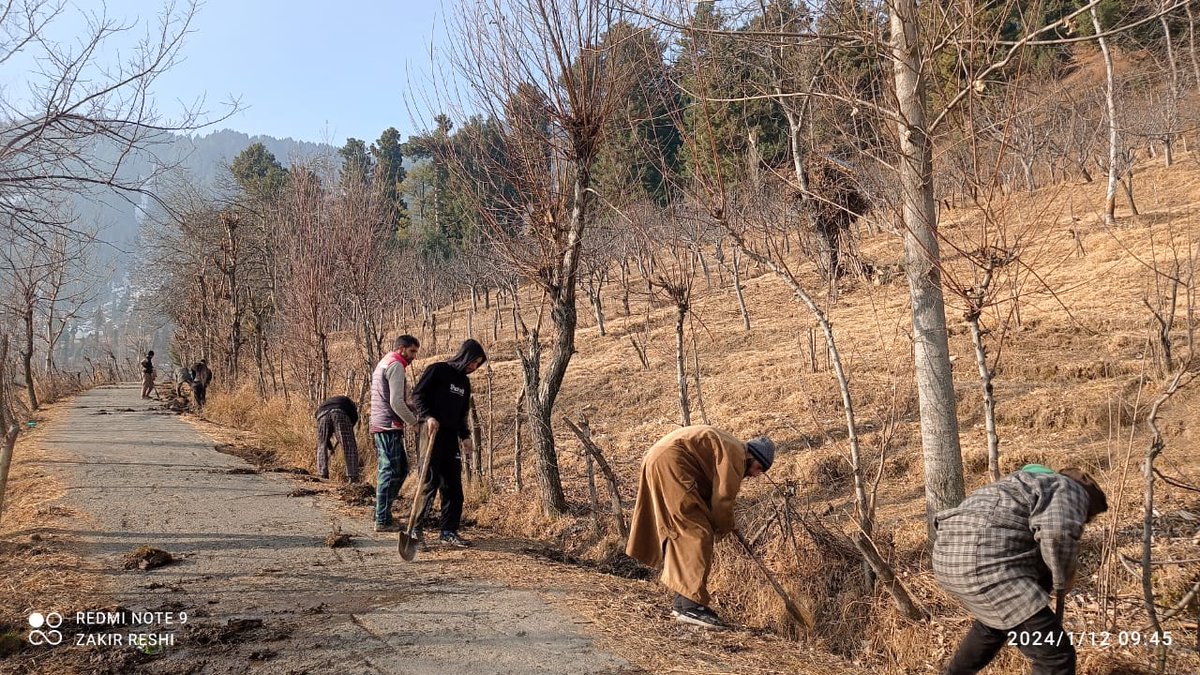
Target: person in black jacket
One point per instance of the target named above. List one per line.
(442, 398)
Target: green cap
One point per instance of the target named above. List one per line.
(1036, 468)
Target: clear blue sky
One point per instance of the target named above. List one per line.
(312, 70)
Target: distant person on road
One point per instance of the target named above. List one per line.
(442, 398)
(1000, 553)
(148, 375)
(390, 413)
(336, 419)
(201, 378)
(690, 479)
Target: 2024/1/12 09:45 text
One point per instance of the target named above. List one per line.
(1097, 639)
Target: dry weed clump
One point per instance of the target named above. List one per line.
(56, 386)
(819, 570)
(827, 469)
(518, 515)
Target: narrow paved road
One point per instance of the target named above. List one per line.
(261, 590)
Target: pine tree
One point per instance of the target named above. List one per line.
(388, 155)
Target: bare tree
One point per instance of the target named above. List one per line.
(922, 264)
(540, 67)
(83, 116)
(309, 296)
(1114, 134)
(366, 255)
(669, 235)
(25, 268)
(67, 290)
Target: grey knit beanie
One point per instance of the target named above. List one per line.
(762, 449)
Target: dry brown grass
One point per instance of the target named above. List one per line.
(39, 569)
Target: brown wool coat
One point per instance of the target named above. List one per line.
(685, 498)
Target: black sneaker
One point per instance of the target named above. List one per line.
(699, 616)
(452, 539)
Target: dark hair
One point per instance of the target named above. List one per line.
(1097, 501)
(405, 341)
(150, 353)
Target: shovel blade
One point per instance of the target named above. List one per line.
(408, 546)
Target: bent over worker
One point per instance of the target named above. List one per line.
(689, 481)
(1000, 553)
(336, 419)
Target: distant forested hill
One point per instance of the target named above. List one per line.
(203, 157)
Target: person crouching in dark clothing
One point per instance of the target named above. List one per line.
(336, 419)
(442, 398)
(201, 377)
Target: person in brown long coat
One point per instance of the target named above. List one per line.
(690, 479)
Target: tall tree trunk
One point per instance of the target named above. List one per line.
(685, 410)
(542, 389)
(260, 358)
(1173, 96)
(593, 291)
(325, 368)
(231, 252)
(517, 442)
(1114, 135)
(624, 267)
(931, 350)
(51, 337)
(8, 425)
(27, 356)
(737, 287)
(985, 375)
(1127, 183)
(696, 377)
(1192, 45)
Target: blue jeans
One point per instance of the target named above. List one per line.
(392, 462)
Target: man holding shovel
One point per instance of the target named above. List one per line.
(1003, 550)
(690, 479)
(442, 398)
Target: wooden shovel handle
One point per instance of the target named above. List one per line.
(422, 470)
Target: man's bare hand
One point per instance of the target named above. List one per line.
(432, 426)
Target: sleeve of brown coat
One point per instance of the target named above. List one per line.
(730, 469)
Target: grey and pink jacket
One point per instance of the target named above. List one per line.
(389, 395)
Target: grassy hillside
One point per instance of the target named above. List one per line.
(1078, 368)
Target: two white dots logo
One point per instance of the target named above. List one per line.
(50, 621)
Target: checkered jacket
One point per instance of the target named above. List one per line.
(1009, 543)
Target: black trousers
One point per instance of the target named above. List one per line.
(444, 478)
(1040, 638)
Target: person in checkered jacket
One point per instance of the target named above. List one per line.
(1003, 550)
(336, 419)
